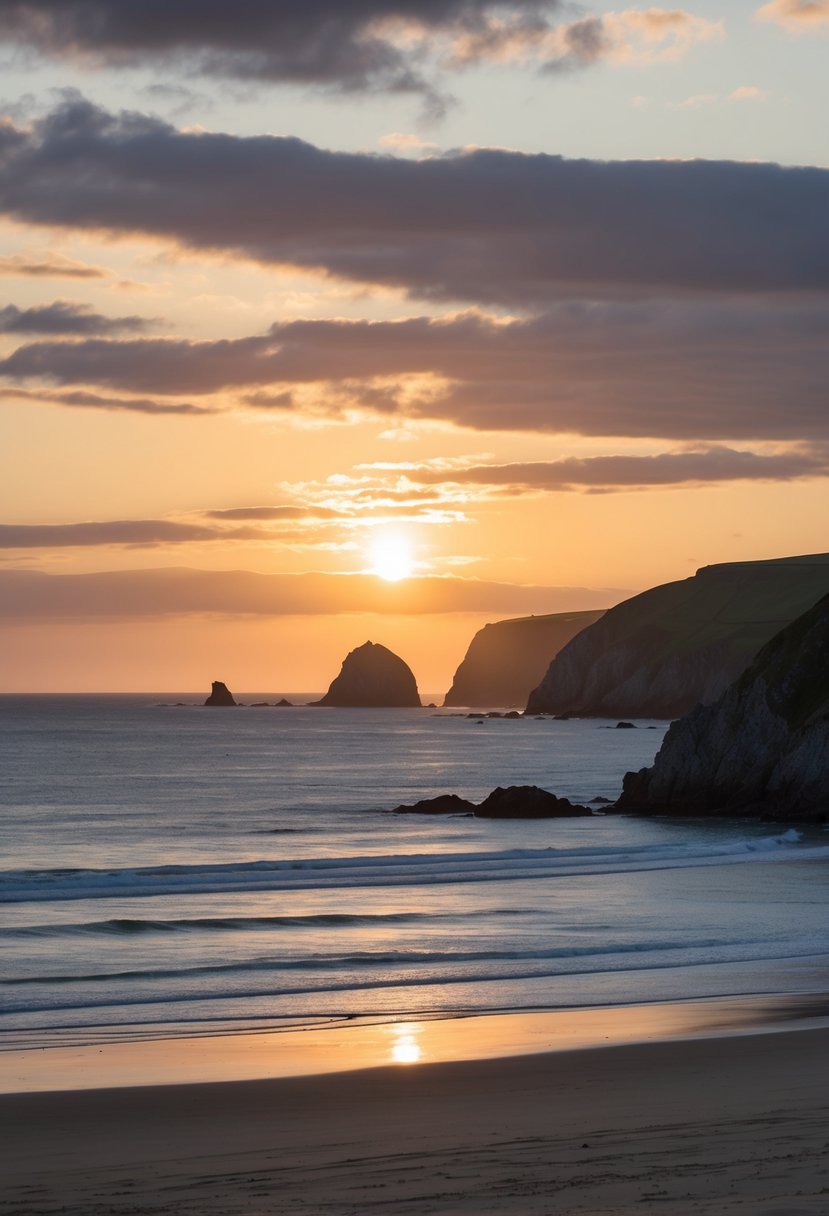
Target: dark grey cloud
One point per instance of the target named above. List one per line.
(692, 369)
(78, 399)
(116, 532)
(67, 317)
(31, 596)
(617, 472)
(343, 44)
(490, 226)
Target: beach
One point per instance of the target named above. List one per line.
(233, 983)
(728, 1125)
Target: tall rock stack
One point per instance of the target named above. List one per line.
(220, 694)
(372, 677)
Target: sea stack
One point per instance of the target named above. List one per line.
(372, 677)
(220, 694)
(762, 749)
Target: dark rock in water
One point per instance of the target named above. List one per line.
(283, 703)
(431, 705)
(527, 802)
(260, 705)
(624, 726)
(601, 798)
(220, 695)
(444, 804)
(662, 652)
(507, 659)
(762, 749)
(513, 713)
(372, 677)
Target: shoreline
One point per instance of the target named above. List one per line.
(349, 1045)
(732, 1125)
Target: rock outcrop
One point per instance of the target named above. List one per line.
(507, 659)
(443, 804)
(509, 802)
(220, 694)
(372, 677)
(527, 802)
(762, 749)
(662, 652)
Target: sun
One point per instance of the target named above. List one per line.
(391, 558)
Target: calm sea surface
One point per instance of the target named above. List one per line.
(171, 871)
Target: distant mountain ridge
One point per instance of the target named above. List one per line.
(680, 644)
(762, 748)
(506, 660)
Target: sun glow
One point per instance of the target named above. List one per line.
(405, 1048)
(391, 558)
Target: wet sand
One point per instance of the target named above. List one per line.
(729, 1125)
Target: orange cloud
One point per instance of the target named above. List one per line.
(797, 16)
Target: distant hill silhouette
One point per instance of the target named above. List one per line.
(507, 659)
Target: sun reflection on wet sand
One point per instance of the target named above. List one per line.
(405, 1049)
(348, 1046)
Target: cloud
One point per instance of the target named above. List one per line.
(690, 370)
(619, 472)
(113, 532)
(129, 594)
(483, 225)
(66, 317)
(748, 92)
(698, 101)
(273, 513)
(636, 36)
(797, 16)
(403, 141)
(94, 401)
(362, 45)
(48, 265)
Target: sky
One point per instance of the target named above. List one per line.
(378, 320)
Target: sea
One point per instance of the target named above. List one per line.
(170, 870)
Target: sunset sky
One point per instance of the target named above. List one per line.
(523, 303)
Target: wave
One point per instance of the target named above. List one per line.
(394, 870)
(124, 926)
(364, 959)
(618, 964)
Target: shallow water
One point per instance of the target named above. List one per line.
(164, 870)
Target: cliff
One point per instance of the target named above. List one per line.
(661, 652)
(761, 749)
(372, 677)
(506, 660)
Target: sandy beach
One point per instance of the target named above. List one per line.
(732, 1125)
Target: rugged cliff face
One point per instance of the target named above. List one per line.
(761, 749)
(662, 652)
(506, 660)
(372, 677)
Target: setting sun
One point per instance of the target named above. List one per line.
(391, 558)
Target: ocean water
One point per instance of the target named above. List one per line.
(180, 870)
